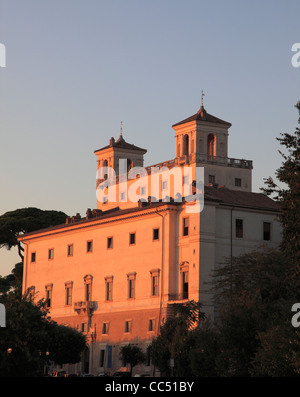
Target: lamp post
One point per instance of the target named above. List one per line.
(9, 351)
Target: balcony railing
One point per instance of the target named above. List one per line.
(84, 307)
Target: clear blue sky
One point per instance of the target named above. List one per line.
(76, 68)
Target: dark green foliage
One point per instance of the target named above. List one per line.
(204, 350)
(289, 195)
(30, 334)
(12, 281)
(132, 355)
(65, 344)
(26, 220)
(172, 340)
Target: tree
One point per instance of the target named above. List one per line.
(132, 355)
(256, 291)
(253, 298)
(65, 344)
(173, 338)
(289, 198)
(204, 349)
(25, 220)
(13, 280)
(28, 336)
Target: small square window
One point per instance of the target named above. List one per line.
(33, 257)
(109, 242)
(132, 238)
(238, 182)
(211, 179)
(89, 246)
(155, 234)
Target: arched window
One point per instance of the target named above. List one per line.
(185, 145)
(211, 145)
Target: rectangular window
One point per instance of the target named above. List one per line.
(155, 234)
(109, 242)
(185, 226)
(267, 231)
(239, 229)
(49, 295)
(164, 185)
(84, 328)
(151, 325)
(101, 358)
(108, 288)
(105, 327)
(132, 238)
(88, 291)
(89, 246)
(185, 285)
(70, 250)
(131, 289)
(154, 286)
(211, 179)
(127, 327)
(33, 257)
(237, 182)
(68, 295)
(51, 253)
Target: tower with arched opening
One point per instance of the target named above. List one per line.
(202, 140)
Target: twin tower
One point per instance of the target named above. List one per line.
(201, 140)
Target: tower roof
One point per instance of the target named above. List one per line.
(122, 144)
(202, 115)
